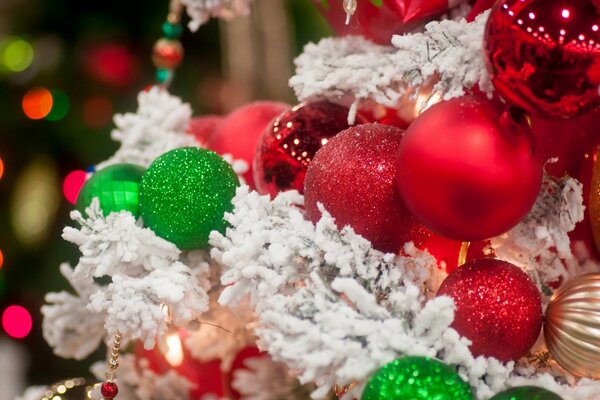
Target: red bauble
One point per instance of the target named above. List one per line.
(109, 390)
(240, 131)
(498, 308)
(353, 177)
(467, 171)
(379, 23)
(544, 55)
(204, 127)
(289, 144)
(239, 363)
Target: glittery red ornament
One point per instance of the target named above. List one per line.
(544, 55)
(467, 171)
(240, 131)
(353, 177)
(204, 127)
(498, 308)
(289, 144)
(109, 390)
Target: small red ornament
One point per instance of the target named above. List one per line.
(239, 132)
(204, 127)
(467, 171)
(109, 390)
(167, 53)
(353, 177)
(289, 144)
(498, 308)
(544, 55)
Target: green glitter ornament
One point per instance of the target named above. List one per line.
(526, 393)
(185, 194)
(116, 187)
(416, 378)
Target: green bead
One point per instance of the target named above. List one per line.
(172, 31)
(526, 393)
(116, 187)
(163, 75)
(416, 378)
(185, 194)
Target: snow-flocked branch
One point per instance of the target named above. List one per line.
(201, 11)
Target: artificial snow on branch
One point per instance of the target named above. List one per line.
(201, 11)
(335, 310)
(354, 69)
(159, 125)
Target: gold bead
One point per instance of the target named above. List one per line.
(572, 329)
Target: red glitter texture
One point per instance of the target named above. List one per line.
(353, 177)
(109, 390)
(544, 55)
(289, 144)
(498, 308)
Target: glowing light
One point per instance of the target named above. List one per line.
(582, 37)
(1, 259)
(563, 32)
(531, 15)
(60, 105)
(97, 112)
(72, 185)
(595, 28)
(16, 54)
(565, 13)
(16, 322)
(1, 168)
(174, 353)
(37, 103)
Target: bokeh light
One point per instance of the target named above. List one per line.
(97, 112)
(16, 54)
(16, 322)
(1, 258)
(1, 168)
(60, 105)
(37, 103)
(72, 185)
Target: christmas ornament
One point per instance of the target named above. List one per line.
(204, 127)
(352, 177)
(378, 20)
(498, 308)
(239, 363)
(109, 388)
(70, 389)
(544, 55)
(572, 329)
(289, 144)
(184, 195)
(240, 131)
(116, 187)
(167, 53)
(479, 7)
(526, 393)
(467, 171)
(416, 378)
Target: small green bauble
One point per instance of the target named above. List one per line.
(116, 187)
(526, 393)
(184, 195)
(416, 378)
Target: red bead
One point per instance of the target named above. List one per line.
(544, 55)
(240, 131)
(109, 390)
(167, 53)
(353, 177)
(467, 171)
(498, 308)
(289, 144)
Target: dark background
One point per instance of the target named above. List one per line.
(98, 54)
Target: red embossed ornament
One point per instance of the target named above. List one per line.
(498, 308)
(544, 55)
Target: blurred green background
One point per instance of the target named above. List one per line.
(93, 58)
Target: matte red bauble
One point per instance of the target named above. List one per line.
(544, 55)
(240, 131)
(498, 308)
(380, 22)
(204, 127)
(467, 171)
(353, 177)
(289, 144)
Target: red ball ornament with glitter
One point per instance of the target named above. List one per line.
(289, 144)
(109, 390)
(544, 55)
(498, 308)
(353, 177)
(467, 170)
(241, 130)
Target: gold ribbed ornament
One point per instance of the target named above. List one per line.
(572, 329)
